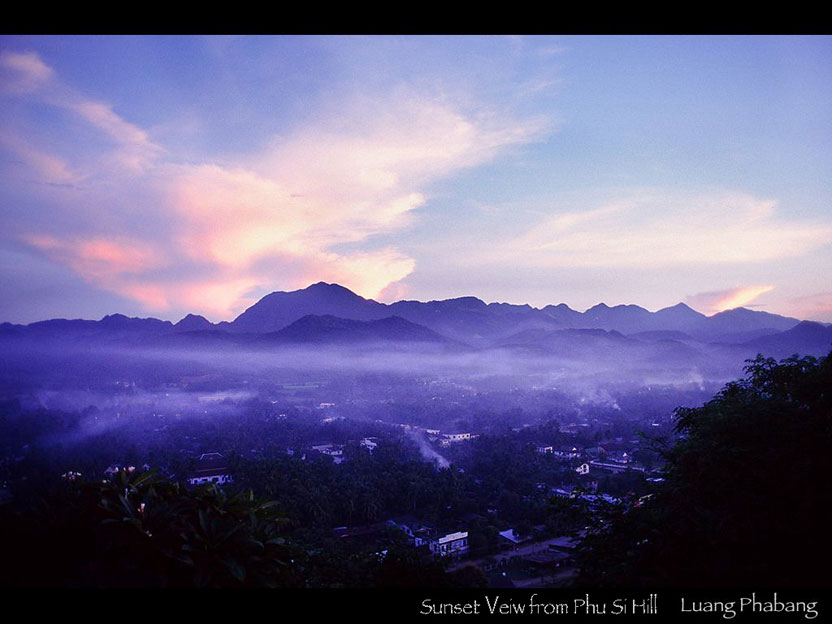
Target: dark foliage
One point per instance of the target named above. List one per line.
(139, 530)
(744, 500)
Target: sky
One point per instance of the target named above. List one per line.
(166, 175)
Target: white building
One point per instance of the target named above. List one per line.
(451, 438)
(210, 468)
(369, 443)
(450, 545)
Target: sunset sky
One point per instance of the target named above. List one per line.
(156, 176)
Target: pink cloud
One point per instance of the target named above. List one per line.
(99, 260)
(397, 291)
(49, 167)
(311, 206)
(219, 298)
(151, 296)
(720, 300)
(24, 72)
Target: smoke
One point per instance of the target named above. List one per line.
(428, 452)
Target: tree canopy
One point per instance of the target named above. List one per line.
(743, 502)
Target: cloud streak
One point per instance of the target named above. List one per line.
(659, 228)
(720, 300)
(24, 74)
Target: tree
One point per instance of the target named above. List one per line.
(742, 503)
(139, 530)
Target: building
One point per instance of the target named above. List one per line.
(451, 438)
(417, 532)
(614, 466)
(369, 443)
(210, 468)
(335, 451)
(567, 452)
(450, 545)
(514, 537)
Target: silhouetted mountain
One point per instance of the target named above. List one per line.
(679, 318)
(466, 320)
(563, 315)
(331, 329)
(279, 309)
(193, 322)
(109, 328)
(470, 320)
(623, 318)
(723, 326)
(805, 338)
(119, 322)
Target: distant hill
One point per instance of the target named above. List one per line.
(724, 325)
(806, 338)
(331, 329)
(193, 322)
(280, 309)
(329, 312)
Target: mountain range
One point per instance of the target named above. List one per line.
(330, 313)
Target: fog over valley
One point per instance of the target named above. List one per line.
(324, 353)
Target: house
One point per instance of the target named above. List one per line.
(565, 543)
(210, 468)
(514, 537)
(417, 532)
(567, 452)
(450, 545)
(369, 443)
(335, 451)
(609, 466)
(368, 535)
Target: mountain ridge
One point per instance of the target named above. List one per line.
(468, 320)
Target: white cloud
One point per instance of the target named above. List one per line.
(664, 228)
(26, 75)
(23, 72)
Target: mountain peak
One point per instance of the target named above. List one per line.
(680, 309)
(326, 286)
(193, 322)
(598, 306)
(279, 309)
